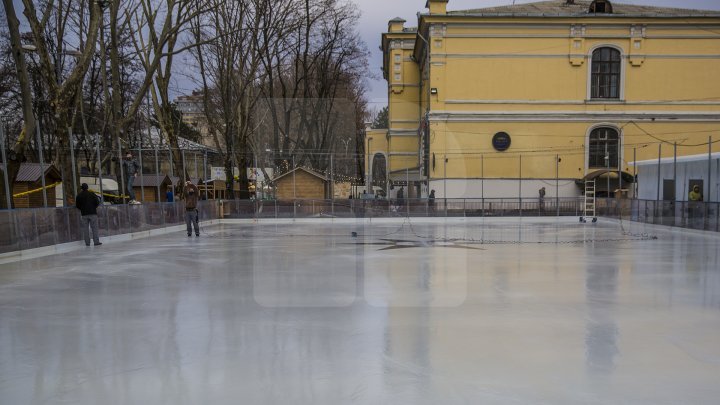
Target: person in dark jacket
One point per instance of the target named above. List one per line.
(191, 195)
(87, 202)
(131, 167)
(400, 196)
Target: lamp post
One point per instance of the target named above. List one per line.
(346, 142)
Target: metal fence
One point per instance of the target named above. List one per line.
(383, 208)
(39, 227)
(33, 228)
(683, 214)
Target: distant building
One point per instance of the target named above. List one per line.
(147, 187)
(193, 114)
(27, 190)
(301, 183)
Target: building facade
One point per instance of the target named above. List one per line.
(499, 102)
(193, 114)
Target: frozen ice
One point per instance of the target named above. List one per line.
(456, 311)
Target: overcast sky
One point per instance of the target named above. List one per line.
(377, 13)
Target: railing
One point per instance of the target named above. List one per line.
(23, 229)
(681, 214)
(357, 208)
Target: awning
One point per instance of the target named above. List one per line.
(605, 173)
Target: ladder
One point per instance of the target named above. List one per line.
(589, 202)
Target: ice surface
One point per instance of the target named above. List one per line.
(413, 313)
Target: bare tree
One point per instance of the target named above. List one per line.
(17, 151)
(47, 30)
(233, 38)
(159, 27)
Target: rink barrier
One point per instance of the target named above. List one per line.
(27, 229)
(35, 228)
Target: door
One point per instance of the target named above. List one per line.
(668, 190)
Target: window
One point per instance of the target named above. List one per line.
(601, 7)
(604, 143)
(605, 77)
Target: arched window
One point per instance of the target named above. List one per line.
(605, 77)
(604, 148)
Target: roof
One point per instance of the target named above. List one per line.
(151, 180)
(309, 171)
(154, 139)
(31, 172)
(680, 159)
(560, 8)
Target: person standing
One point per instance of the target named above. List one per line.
(400, 197)
(541, 200)
(431, 201)
(191, 212)
(131, 168)
(87, 202)
(695, 194)
(169, 196)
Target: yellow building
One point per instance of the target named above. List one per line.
(499, 102)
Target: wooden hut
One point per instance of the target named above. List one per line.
(301, 183)
(149, 188)
(29, 179)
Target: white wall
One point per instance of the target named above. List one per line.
(686, 171)
(503, 188)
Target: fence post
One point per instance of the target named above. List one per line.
(122, 172)
(445, 199)
(709, 186)
(520, 187)
(142, 182)
(99, 168)
(657, 194)
(332, 186)
(42, 164)
(294, 190)
(184, 168)
(636, 187)
(72, 163)
(157, 172)
(8, 197)
(482, 182)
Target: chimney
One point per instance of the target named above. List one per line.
(397, 24)
(437, 6)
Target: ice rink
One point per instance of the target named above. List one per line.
(457, 311)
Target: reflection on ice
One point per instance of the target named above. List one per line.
(422, 312)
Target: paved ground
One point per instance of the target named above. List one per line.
(415, 313)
